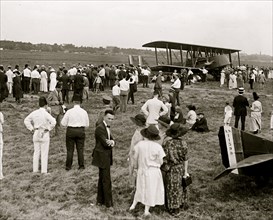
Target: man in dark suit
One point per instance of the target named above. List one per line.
(78, 84)
(66, 86)
(103, 159)
(240, 103)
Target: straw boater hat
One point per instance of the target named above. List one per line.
(164, 120)
(51, 70)
(139, 120)
(151, 133)
(176, 130)
(241, 90)
(106, 99)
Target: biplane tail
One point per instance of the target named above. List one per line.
(244, 153)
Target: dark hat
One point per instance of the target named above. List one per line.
(139, 120)
(176, 130)
(241, 90)
(164, 120)
(191, 107)
(42, 101)
(106, 99)
(151, 133)
(77, 98)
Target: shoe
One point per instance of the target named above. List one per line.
(67, 168)
(256, 132)
(81, 168)
(147, 215)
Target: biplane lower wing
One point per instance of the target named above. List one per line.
(248, 162)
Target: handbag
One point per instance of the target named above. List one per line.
(186, 181)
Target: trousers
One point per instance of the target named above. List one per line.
(41, 147)
(75, 136)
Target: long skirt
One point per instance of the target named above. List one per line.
(149, 187)
(255, 121)
(43, 85)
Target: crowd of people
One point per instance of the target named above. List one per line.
(158, 154)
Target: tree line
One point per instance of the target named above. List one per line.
(70, 48)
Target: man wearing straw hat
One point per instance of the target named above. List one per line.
(240, 103)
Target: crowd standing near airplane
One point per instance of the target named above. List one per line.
(162, 173)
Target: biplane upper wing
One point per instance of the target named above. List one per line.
(250, 161)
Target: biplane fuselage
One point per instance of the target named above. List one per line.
(245, 153)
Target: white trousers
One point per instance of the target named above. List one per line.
(41, 147)
(10, 84)
(1, 154)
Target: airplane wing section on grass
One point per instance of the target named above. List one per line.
(250, 161)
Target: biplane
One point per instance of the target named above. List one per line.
(245, 153)
(171, 55)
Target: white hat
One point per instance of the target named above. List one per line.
(52, 70)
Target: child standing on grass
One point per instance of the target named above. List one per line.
(228, 114)
(116, 96)
(1, 144)
(97, 83)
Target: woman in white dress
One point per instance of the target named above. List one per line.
(53, 80)
(222, 79)
(191, 116)
(256, 114)
(148, 157)
(43, 82)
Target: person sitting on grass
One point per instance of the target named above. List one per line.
(191, 116)
(178, 118)
(201, 124)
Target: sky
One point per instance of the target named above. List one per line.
(244, 25)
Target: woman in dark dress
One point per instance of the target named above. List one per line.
(17, 87)
(176, 166)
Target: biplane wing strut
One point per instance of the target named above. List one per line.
(250, 161)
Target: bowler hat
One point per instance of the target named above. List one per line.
(151, 133)
(139, 120)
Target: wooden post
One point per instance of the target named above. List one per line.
(171, 60)
(239, 63)
(181, 55)
(230, 60)
(167, 54)
(156, 59)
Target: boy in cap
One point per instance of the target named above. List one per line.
(40, 122)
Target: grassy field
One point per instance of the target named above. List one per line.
(72, 195)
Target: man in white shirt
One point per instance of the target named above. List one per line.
(116, 96)
(10, 76)
(76, 120)
(175, 88)
(152, 109)
(204, 74)
(102, 76)
(26, 79)
(124, 90)
(40, 122)
(146, 73)
(35, 77)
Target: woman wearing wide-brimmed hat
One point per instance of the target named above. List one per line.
(176, 166)
(148, 158)
(140, 121)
